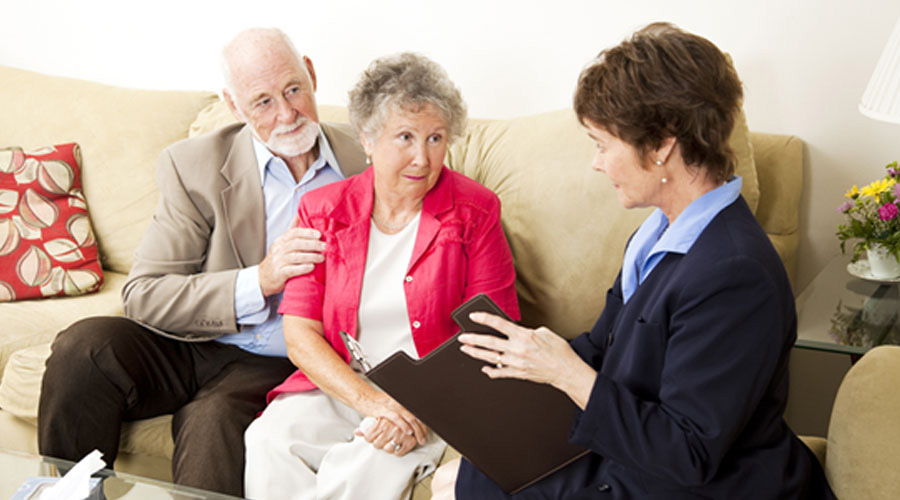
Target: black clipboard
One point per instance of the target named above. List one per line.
(514, 431)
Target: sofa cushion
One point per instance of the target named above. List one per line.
(47, 246)
(213, 116)
(121, 132)
(150, 436)
(31, 322)
(20, 387)
(20, 391)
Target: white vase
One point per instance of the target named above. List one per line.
(882, 264)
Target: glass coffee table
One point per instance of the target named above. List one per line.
(16, 466)
(845, 311)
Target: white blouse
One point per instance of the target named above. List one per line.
(383, 318)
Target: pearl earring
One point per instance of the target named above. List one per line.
(659, 162)
(368, 161)
(664, 180)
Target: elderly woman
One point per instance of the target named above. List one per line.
(407, 241)
(682, 382)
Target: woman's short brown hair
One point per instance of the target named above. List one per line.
(664, 82)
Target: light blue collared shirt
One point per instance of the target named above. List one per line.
(258, 316)
(653, 241)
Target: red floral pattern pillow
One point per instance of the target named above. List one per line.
(47, 246)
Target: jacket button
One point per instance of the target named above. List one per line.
(416, 324)
(609, 339)
(603, 488)
(408, 279)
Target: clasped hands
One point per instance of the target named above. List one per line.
(390, 427)
(538, 355)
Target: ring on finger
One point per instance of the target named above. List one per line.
(499, 363)
(394, 445)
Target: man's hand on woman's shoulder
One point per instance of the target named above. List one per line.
(294, 253)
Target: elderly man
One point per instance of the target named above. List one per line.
(202, 338)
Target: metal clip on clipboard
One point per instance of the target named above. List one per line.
(357, 355)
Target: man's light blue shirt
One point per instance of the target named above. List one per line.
(653, 241)
(258, 316)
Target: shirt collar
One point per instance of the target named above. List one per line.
(695, 217)
(655, 237)
(326, 158)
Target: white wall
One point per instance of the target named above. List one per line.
(804, 63)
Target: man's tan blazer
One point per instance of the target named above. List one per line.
(210, 223)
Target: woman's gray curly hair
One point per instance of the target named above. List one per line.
(405, 81)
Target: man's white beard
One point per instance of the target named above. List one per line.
(296, 145)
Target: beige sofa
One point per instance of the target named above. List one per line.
(563, 220)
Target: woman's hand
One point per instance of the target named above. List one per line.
(537, 355)
(443, 486)
(384, 435)
(393, 428)
(398, 431)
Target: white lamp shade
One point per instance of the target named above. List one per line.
(881, 100)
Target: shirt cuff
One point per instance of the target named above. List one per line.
(250, 307)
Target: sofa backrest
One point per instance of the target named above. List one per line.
(564, 222)
(780, 161)
(121, 133)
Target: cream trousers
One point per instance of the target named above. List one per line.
(303, 448)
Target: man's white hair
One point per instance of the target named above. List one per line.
(253, 38)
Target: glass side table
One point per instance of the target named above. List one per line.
(841, 313)
(17, 466)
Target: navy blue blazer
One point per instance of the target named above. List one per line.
(692, 383)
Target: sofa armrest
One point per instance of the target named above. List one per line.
(818, 445)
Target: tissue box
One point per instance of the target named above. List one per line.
(31, 488)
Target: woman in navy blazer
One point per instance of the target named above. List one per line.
(683, 380)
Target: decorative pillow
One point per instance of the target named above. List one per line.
(47, 246)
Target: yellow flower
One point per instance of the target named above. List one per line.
(875, 189)
(852, 193)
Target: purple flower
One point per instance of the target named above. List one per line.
(893, 172)
(897, 190)
(847, 205)
(888, 211)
